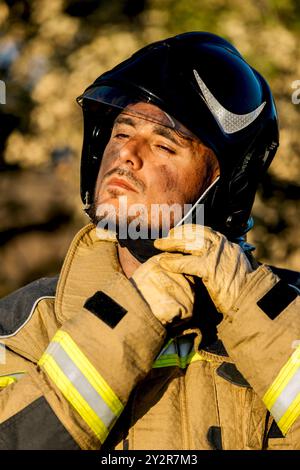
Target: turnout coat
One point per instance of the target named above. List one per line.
(84, 364)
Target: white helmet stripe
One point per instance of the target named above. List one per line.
(229, 121)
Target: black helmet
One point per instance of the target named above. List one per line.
(203, 82)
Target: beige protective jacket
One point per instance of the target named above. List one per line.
(91, 367)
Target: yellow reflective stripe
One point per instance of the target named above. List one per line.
(81, 384)
(74, 397)
(283, 396)
(89, 371)
(6, 380)
(290, 416)
(197, 357)
(169, 360)
(178, 352)
(282, 379)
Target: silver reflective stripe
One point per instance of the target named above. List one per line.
(86, 390)
(178, 353)
(287, 396)
(181, 346)
(169, 349)
(17, 375)
(229, 122)
(185, 346)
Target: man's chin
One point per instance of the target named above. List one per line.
(131, 228)
(134, 221)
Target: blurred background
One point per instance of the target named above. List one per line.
(51, 50)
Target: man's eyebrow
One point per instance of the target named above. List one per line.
(168, 134)
(125, 120)
(157, 129)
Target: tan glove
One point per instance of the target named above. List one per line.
(222, 265)
(170, 296)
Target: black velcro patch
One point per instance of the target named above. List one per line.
(214, 437)
(230, 373)
(105, 308)
(277, 299)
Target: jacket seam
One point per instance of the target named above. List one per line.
(216, 398)
(184, 415)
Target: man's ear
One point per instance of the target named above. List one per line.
(213, 164)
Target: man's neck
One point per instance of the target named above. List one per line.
(128, 262)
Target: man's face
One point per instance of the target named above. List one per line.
(151, 164)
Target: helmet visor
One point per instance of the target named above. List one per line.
(138, 105)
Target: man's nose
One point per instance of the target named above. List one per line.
(132, 153)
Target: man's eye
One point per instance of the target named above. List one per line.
(166, 149)
(121, 135)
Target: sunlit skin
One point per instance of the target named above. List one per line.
(151, 164)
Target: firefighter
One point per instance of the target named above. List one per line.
(154, 335)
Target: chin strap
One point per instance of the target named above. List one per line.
(141, 249)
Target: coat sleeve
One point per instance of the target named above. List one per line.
(75, 393)
(261, 334)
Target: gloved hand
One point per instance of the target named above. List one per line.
(170, 296)
(222, 265)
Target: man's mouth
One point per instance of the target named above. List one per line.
(121, 183)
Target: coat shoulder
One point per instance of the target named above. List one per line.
(287, 275)
(17, 308)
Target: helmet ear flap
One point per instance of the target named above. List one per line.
(245, 180)
(230, 207)
(237, 119)
(97, 131)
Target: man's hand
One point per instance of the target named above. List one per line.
(169, 295)
(222, 265)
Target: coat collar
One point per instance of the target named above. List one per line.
(91, 260)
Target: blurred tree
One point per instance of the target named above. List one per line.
(80, 8)
(49, 53)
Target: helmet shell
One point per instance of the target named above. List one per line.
(203, 82)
